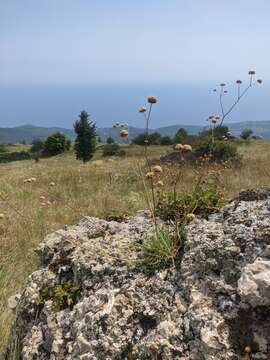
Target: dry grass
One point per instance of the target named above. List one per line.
(95, 189)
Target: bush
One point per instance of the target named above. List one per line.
(14, 156)
(153, 139)
(166, 140)
(180, 136)
(219, 150)
(2, 148)
(246, 134)
(110, 140)
(37, 146)
(201, 201)
(113, 150)
(56, 144)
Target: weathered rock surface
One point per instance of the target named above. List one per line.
(210, 307)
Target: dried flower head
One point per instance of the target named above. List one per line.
(142, 109)
(160, 184)
(225, 91)
(217, 117)
(52, 183)
(114, 126)
(152, 99)
(214, 90)
(211, 117)
(222, 84)
(259, 81)
(150, 175)
(179, 147)
(123, 133)
(247, 349)
(238, 81)
(252, 72)
(2, 216)
(187, 148)
(190, 217)
(157, 169)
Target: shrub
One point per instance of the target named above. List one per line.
(166, 140)
(56, 144)
(37, 146)
(159, 250)
(220, 150)
(2, 148)
(14, 156)
(153, 139)
(219, 132)
(246, 134)
(110, 140)
(113, 150)
(201, 201)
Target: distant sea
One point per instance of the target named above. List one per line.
(59, 105)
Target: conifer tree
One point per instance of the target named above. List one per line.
(85, 143)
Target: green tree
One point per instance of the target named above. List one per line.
(56, 144)
(180, 136)
(110, 140)
(2, 148)
(245, 134)
(85, 143)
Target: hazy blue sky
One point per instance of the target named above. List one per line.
(67, 41)
(58, 57)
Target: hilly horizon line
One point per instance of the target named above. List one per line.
(137, 127)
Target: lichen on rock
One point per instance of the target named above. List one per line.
(211, 306)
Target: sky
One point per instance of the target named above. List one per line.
(122, 42)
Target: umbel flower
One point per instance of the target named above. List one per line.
(152, 99)
(123, 133)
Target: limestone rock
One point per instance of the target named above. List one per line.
(89, 299)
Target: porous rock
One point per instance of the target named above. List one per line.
(211, 306)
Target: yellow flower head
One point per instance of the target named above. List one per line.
(123, 133)
(187, 148)
(157, 169)
(179, 147)
(152, 99)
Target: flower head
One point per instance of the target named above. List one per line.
(152, 99)
(238, 81)
(252, 72)
(222, 84)
(190, 217)
(52, 184)
(142, 109)
(179, 147)
(123, 133)
(157, 169)
(259, 81)
(187, 148)
(2, 216)
(160, 184)
(150, 175)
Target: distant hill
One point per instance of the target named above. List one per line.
(28, 133)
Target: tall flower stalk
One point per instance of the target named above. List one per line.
(241, 92)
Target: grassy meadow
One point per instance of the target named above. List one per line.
(65, 190)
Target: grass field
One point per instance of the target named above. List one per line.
(99, 188)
